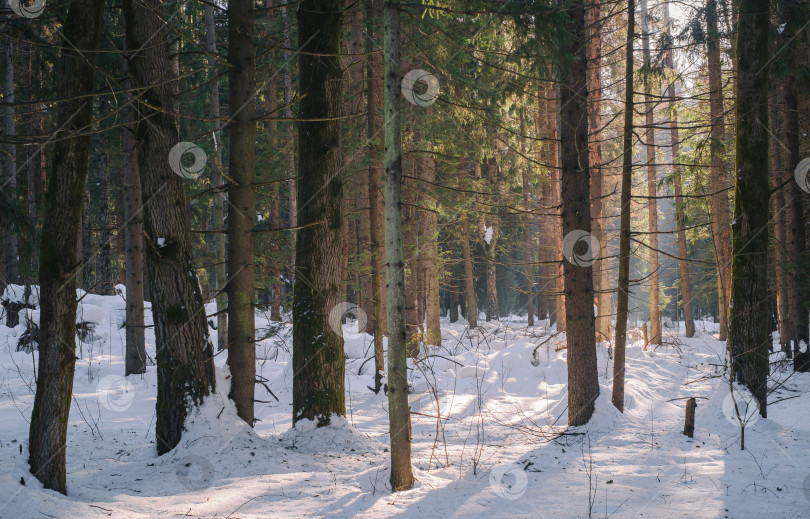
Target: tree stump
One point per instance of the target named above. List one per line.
(689, 423)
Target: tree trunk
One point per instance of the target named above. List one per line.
(430, 245)
(528, 248)
(8, 158)
(216, 274)
(241, 208)
(748, 319)
(680, 212)
(652, 203)
(133, 247)
(105, 277)
(623, 289)
(556, 173)
(57, 333)
(375, 222)
(491, 226)
(583, 380)
(399, 417)
(291, 144)
(318, 357)
(780, 245)
(720, 209)
(600, 267)
(185, 364)
(86, 245)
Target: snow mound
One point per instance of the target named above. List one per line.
(16, 294)
(87, 313)
(338, 436)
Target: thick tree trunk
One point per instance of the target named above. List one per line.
(399, 418)
(491, 226)
(216, 274)
(57, 341)
(8, 159)
(623, 289)
(680, 212)
(133, 249)
(375, 202)
(652, 203)
(185, 364)
(241, 208)
(600, 268)
(583, 381)
(292, 145)
(556, 174)
(318, 357)
(720, 208)
(748, 319)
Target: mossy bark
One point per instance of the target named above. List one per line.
(185, 365)
(318, 357)
(57, 277)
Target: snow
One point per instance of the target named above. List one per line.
(488, 235)
(16, 294)
(500, 447)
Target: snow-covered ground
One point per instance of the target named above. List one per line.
(500, 448)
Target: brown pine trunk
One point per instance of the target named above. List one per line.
(216, 274)
(133, 249)
(318, 355)
(412, 321)
(680, 212)
(105, 278)
(583, 380)
(57, 342)
(430, 246)
(719, 182)
(780, 245)
(491, 225)
(600, 267)
(652, 203)
(375, 202)
(184, 354)
(87, 249)
(556, 173)
(623, 289)
(528, 249)
(471, 302)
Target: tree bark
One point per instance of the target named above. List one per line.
(318, 356)
(375, 203)
(652, 203)
(748, 319)
(430, 245)
(583, 380)
(398, 409)
(57, 340)
(185, 364)
(779, 231)
(216, 274)
(491, 221)
(720, 208)
(133, 248)
(8, 158)
(528, 248)
(680, 212)
(623, 289)
(600, 268)
(241, 208)
(105, 277)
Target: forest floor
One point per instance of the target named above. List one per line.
(500, 449)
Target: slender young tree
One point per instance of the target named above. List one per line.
(241, 207)
(399, 416)
(216, 274)
(8, 158)
(318, 357)
(57, 340)
(748, 323)
(583, 380)
(652, 202)
(624, 225)
(185, 366)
